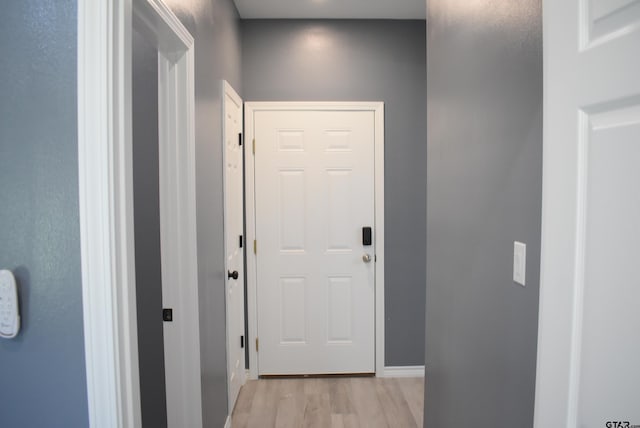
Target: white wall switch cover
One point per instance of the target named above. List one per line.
(519, 262)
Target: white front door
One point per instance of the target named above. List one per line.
(589, 332)
(234, 241)
(314, 193)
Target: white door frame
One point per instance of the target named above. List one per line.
(106, 205)
(252, 292)
(227, 90)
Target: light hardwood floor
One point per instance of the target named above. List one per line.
(363, 402)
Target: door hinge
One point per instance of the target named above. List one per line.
(240, 139)
(255, 247)
(240, 239)
(254, 146)
(257, 347)
(242, 341)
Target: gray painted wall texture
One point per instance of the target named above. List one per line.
(42, 371)
(215, 26)
(146, 187)
(484, 71)
(285, 60)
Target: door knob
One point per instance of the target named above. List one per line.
(232, 275)
(366, 258)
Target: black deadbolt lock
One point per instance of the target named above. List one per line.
(366, 236)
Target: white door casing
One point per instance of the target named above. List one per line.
(588, 372)
(105, 178)
(177, 209)
(318, 174)
(106, 210)
(234, 239)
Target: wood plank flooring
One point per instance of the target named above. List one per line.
(359, 402)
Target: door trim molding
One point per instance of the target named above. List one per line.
(178, 222)
(106, 214)
(105, 175)
(377, 108)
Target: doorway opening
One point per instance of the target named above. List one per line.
(107, 214)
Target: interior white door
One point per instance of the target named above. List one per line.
(314, 192)
(234, 245)
(589, 340)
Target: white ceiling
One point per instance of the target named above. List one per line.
(332, 9)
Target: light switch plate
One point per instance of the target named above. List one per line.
(519, 262)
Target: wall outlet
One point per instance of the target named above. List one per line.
(519, 262)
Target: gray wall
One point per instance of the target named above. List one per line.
(147, 232)
(42, 371)
(347, 60)
(484, 71)
(215, 26)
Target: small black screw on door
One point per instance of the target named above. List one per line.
(233, 275)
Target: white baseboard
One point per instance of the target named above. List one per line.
(227, 423)
(392, 371)
(404, 371)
